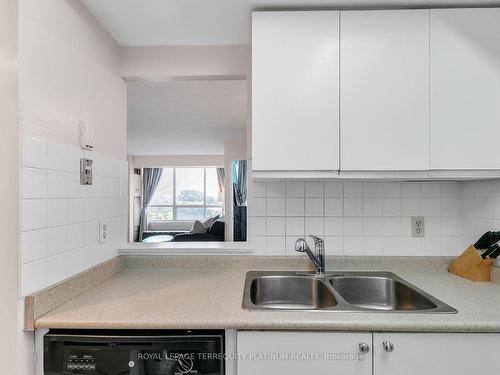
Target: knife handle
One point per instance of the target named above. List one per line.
(490, 251)
(481, 243)
(495, 254)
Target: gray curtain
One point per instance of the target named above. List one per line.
(240, 186)
(150, 179)
(221, 179)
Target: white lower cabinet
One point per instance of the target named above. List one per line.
(299, 353)
(435, 353)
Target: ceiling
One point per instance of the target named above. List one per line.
(211, 22)
(185, 117)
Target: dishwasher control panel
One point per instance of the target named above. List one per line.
(79, 362)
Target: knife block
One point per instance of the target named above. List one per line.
(471, 266)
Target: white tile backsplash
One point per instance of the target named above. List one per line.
(58, 184)
(275, 226)
(57, 268)
(276, 206)
(276, 190)
(334, 226)
(480, 210)
(57, 212)
(57, 158)
(362, 217)
(334, 189)
(60, 217)
(295, 226)
(315, 225)
(294, 206)
(295, 189)
(372, 207)
(392, 190)
(353, 189)
(372, 190)
(33, 245)
(76, 211)
(34, 183)
(353, 226)
(34, 214)
(391, 206)
(353, 207)
(57, 240)
(33, 276)
(411, 190)
(314, 207)
(314, 189)
(34, 153)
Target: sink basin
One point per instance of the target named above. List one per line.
(380, 293)
(291, 293)
(339, 291)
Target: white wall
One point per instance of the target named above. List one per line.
(356, 218)
(9, 152)
(68, 73)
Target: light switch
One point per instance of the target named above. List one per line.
(86, 171)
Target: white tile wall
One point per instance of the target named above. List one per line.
(361, 217)
(60, 218)
(481, 207)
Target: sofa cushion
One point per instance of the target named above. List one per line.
(217, 228)
(210, 221)
(198, 227)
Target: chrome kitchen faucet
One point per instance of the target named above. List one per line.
(318, 258)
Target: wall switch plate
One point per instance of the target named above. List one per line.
(103, 231)
(86, 171)
(418, 226)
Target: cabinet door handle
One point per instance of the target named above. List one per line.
(364, 348)
(388, 346)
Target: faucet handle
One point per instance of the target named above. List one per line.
(317, 241)
(301, 245)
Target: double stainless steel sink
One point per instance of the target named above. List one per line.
(337, 291)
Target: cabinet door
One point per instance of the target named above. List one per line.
(299, 353)
(295, 91)
(384, 90)
(436, 353)
(465, 88)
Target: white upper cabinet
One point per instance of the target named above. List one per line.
(295, 91)
(465, 89)
(384, 90)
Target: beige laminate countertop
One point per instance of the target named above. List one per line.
(156, 298)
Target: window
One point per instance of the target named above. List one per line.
(186, 194)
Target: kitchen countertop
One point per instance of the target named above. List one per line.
(201, 295)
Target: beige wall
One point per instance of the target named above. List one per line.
(69, 72)
(185, 61)
(146, 161)
(9, 220)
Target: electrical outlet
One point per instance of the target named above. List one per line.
(418, 226)
(103, 231)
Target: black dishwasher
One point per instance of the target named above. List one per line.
(99, 352)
